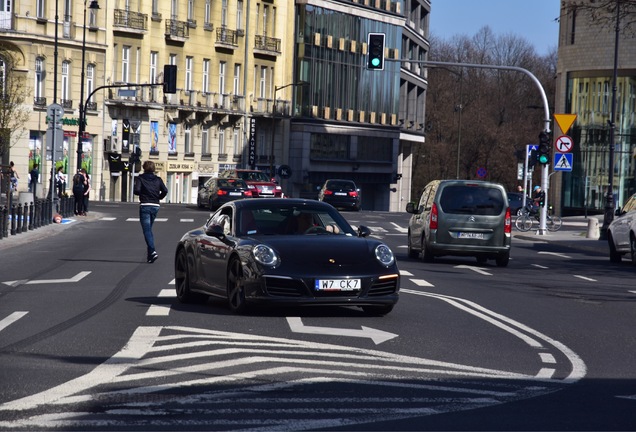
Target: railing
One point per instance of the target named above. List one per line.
(131, 19)
(17, 218)
(226, 36)
(66, 103)
(39, 101)
(267, 43)
(177, 28)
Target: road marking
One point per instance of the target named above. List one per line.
(585, 278)
(377, 336)
(555, 254)
(405, 273)
(547, 358)
(158, 310)
(539, 266)
(11, 319)
(186, 220)
(421, 282)
(76, 278)
(167, 293)
(399, 228)
(475, 269)
(108, 218)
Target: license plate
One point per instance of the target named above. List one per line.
(478, 236)
(236, 193)
(341, 193)
(266, 189)
(337, 284)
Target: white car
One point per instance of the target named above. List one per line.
(621, 233)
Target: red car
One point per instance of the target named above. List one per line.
(258, 182)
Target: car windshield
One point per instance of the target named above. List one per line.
(291, 220)
(234, 183)
(477, 200)
(254, 176)
(341, 185)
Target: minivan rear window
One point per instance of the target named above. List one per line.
(477, 200)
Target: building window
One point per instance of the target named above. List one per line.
(90, 77)
(65, 74)
(207, 13)
(236, 87)
(187, 139)
(222, 77)
(40, 9)
(205, 83)
(190, 10)
(263, 82)
(237, 142)
(153, 66)
(222, 142)
(224, 13)
(188, 73)
(265, 12)
(239, 15)
(205, 143)
(39, 78)
(125, 63)
(324, 146)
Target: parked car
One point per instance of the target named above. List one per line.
(621, 232)
(260, 184)
(461, 217)
(341, 194)
(515, 202)
(217, 191)
(285, 252)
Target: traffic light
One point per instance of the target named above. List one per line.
(532, 159)
(543, 155)
(170, 79)
(375, 43)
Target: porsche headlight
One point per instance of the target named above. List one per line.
(384, 254)
(265, 255)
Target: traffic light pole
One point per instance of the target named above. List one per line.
(546, 121)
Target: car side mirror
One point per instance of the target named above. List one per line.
(215, 231)
(410, 208)
(364, 231)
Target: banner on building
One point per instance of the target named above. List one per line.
(125, 136)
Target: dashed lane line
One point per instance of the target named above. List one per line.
(6, 322)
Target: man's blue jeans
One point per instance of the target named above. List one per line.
(147, 215)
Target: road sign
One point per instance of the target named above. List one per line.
(481, 172)
(563, 161)
(565, 121)
(531, 147)
(563, 144)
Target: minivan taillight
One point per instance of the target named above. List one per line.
(433, 221)
(507, 222)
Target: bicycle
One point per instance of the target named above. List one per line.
(529, 217)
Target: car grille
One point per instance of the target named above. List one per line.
(383, 287)
(285, 287)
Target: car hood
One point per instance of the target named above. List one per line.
(323, 250)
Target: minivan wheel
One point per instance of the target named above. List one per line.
(427, 256)
(502, 259)
(412, 252)
(614, 256)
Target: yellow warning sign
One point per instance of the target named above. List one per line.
(565, 121)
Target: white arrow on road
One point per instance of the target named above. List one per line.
(475, 269)
(78, 277)
(378, 336)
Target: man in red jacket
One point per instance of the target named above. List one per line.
(151, 189)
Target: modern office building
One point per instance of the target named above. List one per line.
(272, 85)
(585, 73)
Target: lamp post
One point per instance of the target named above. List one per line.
(82, 108)
(271, 150)
(609, 198)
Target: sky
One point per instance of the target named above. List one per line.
(533, 20)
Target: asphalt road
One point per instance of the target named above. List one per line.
(91, 337)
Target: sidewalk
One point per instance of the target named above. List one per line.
(573, 234)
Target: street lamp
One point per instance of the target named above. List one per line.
(609, 198)
(271, 150)
(82, 108)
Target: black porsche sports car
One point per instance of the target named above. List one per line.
(285, 252)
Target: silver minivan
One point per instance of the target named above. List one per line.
(461, 217)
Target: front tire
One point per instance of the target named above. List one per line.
(236, 287)
(427, 255)
(632, 248)
(412, 252)
(614, 256)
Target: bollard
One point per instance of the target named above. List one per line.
(12, 219)
(2, 221)
(5, 221)
(592, 229)
(31, 216)
(20, 220)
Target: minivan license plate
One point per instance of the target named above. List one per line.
(473, 235)
(337, 284)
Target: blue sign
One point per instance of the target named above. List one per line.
(563, 161)
(531, 147)
(481, 172)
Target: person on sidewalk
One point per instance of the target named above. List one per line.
(34, 176)
(151, 189)
(87, 190)
(79, 185)
(13, 177)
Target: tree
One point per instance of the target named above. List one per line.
(14, 114)
(497, 108)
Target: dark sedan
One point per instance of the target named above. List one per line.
(217, 191)
(341, 194)
(285, 252)
(515, 202)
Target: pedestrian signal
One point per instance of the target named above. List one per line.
(375, 44)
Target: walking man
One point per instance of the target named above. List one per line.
(151, 189)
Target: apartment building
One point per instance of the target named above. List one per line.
(270, 84)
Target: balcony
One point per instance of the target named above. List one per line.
(39, 102)
(266, 45)
(177, 31)
(67, 104)
(130, 21)
(226, 38)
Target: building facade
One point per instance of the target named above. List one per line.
(585, 87)
(271, 85)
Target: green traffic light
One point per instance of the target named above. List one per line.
(543, 159)
(375, 62)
